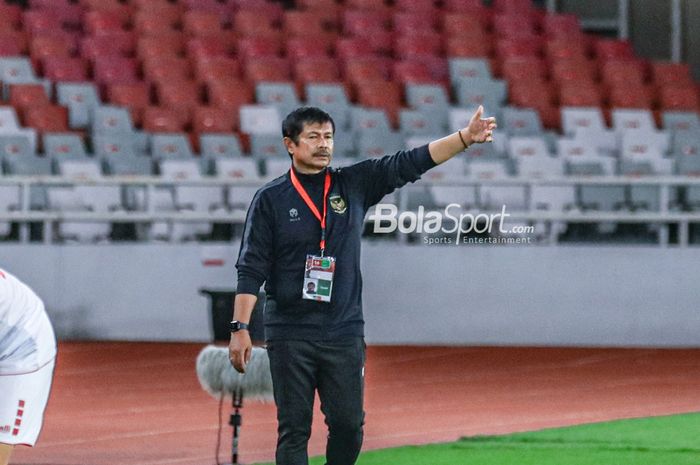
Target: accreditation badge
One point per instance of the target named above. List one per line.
(318, 278)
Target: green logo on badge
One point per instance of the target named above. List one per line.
(325, 263)
(338, 204)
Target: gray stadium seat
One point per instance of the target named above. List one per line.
(80, 98)
(625, 119)
(61, 145)
(332, 99)
(8, 120)
(472, 92)
(110, 119)
(415, 122)
(220, 145)
(238, 197)
(107, 145)
(376, 144)
(369, 120)
(260, 119)
(493, 197)
(521, 122)
(11, 145)
(31, 165)
(267, 146)
(575, 118)
(170, 146)
(463, 68)
(679, 121)
(281, 95)
(276, 167)
(431, 99)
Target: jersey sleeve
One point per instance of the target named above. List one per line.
(255, 255)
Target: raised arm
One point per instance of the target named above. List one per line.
(479, 130)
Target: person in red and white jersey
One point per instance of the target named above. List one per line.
(27, 357)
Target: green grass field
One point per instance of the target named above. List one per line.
(669, 440)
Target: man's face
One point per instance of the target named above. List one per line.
(315, 148)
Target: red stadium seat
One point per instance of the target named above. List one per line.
(426, 7)
(664, 73)
(512, 6)
(513, 25)
(136, 97)
(11, 13)
(468, 47)
(580, 94)
(371, 5)
(272, 10)
(40, 22)
(230, 93)
(47, 118)
(222, 10)
(181, 95)
(363, 22)
(154, 23)
(529, 94)
(303, 23)
(524, 68)
(213, 119)
(50, 46)
(24, 96)
(306, 47)
(316, 69)
(268, 69)
(606, 49)
(65, 69)
(162, 69)
(255, 47)
(382, 94)
(675, 97)
(161, 45)
(216, 68)
(461, 24)
(521, 46)
(622, 71)
(629, 95)
(374, 69)
(201, 23)
(418, 45)
(206, 47)
(107, 44)
(253, 23)
(352, 47)
(574, 70)
(412, 72)
(160, 119)
(115, 70)
(98, 22)
(561, 25)
(566, 48)
(12, 43)
(407, 22)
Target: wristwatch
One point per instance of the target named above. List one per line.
(237, 326)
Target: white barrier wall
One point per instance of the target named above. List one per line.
(472, 295)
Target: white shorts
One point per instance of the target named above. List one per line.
(22, 405)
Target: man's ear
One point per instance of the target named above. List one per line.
(289, 144)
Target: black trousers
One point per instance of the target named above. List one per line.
(336, 371)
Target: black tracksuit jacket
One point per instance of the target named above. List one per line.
(280, 230)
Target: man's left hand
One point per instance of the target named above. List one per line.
(481, 129)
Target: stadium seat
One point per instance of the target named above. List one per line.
(623, 71)
(360, 70)
(331, 98)
(182, 95)
(418, 45)
(252, 23)
(429, 98)
(628, 119)
(165, 45)
(80, 98)
(521, 122)
(268, 69)
(574, 119)
(472, 92)
(461, 68)
(680, 121)
(383, 95)
(109, 119)
(580, 94)
(679, 97)
(561, 25)
(316, 70)
(230, 94)
(216, 68)
(297, 48)
(260, 119)
(48, 118)
(212, 119)
(375, 144)
(121, 43)
(415, 20)
(170, 146)
(629, 95)
(162, 119)
(572, 70)
(219, 146)
(201, 23)
(566, 48)
(166, 69)
(115, 70)
(63, 69)
(239, 197)
(278, 94)
(99, 21)
(493, 197)
(667, 73)
(267, 146)
(23, 96)
(63, 146)
(524, 68)
(417, 122)
(606, 49)
(298, 23)
(136, 97)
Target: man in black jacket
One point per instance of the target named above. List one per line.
(305, 227)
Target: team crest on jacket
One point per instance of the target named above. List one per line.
(338, 204)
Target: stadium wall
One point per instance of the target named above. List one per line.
(420, 294)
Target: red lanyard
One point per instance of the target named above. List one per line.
(304, 195)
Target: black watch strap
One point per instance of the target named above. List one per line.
(237, 326)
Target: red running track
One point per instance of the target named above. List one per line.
(141, 404)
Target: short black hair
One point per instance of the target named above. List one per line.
(293, 124)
